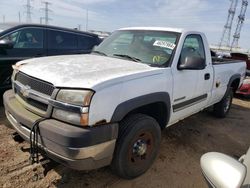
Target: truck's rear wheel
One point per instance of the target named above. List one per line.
(137, 146)
(222, 108)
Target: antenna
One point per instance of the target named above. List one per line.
(240, 22)
(28, 11)
(46, 11)
(225, 39)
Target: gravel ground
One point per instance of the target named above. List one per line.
(177, 164)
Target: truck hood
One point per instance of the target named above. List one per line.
(84, 71)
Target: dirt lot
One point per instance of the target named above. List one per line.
(176, 166)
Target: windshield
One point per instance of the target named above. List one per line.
(150, 47)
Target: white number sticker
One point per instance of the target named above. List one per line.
(164, 44)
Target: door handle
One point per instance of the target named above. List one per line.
(207, 76)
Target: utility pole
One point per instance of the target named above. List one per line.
(87, 19)
(226, 35)
(46, 12)
(241, 18)
(19, 17)
(28, 12)
(79, 27)
(3, 18)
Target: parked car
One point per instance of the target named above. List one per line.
(30, 40)
(244, 90)
(223, 171)
(109, 107)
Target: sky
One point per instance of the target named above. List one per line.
(208, 16)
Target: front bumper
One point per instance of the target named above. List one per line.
(75, 147)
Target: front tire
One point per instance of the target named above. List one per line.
(137, 146)
(222, 108)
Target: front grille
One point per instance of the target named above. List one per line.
(35, 84)
(37, 104)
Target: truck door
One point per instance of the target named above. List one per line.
(192, 85)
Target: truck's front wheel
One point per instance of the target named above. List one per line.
(137, 146)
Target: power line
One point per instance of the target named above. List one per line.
(240, 22)
(225, 39)
(46, 12)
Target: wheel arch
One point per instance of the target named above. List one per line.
(156, 105)
(234, 82)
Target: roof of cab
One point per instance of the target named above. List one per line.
(49, 26)
(177, 30)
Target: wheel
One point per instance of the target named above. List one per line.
(137, 146)
(222, 108)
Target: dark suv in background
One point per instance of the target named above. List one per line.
(30, 40)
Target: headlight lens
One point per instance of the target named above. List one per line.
(76, 97)
(66, 116)
(81, 98)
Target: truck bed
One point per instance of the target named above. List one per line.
(219, 61)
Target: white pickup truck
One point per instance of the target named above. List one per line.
(108, 107)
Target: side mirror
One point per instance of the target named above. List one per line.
(5, 44)
(192, 63)
(222, 171)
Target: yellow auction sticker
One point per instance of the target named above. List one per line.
(158, 59)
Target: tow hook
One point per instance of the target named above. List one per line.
(17, 137)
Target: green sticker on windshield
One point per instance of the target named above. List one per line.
(164, 44)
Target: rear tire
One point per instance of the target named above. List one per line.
(222, 108)
(137, 146)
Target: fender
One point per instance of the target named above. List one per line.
(124, 108)
(234, 77)
(231, 80)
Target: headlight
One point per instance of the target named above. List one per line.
(76, 97)
(80, 98)
(67, 116)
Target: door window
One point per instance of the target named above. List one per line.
(26, 38)
(61, 40)
(193, 46)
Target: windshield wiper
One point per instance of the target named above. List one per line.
(128, 57)
(98, 52)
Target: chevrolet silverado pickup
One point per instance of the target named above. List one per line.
(108, 107)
